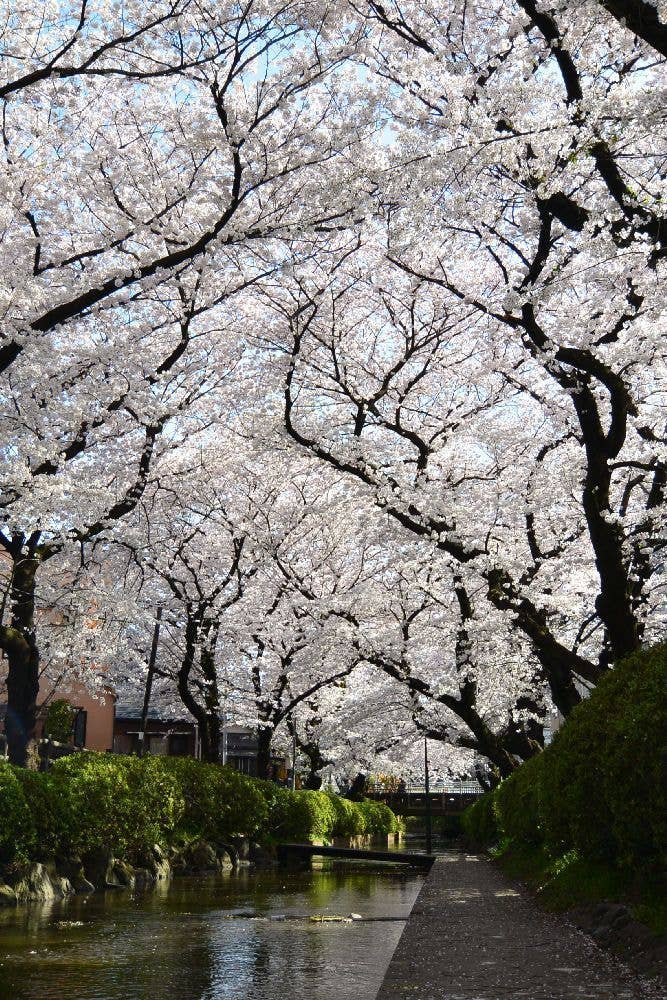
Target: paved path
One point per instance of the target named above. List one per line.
(473, 936)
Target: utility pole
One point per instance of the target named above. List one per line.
(429, 815)
(149, 684)
(293, 749)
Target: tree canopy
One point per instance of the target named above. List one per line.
(335, 332)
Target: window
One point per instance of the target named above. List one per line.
(80, 720)
(157, 744)
(179, 745)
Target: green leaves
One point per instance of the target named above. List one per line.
(127, 804)
(17, 831)
(600, 787)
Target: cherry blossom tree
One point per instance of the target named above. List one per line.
(345, 327)
(156, 160)
(522, 347)
(303, 640)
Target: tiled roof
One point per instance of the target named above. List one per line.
(133, 713)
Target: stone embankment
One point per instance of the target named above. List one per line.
(473, 935)
(48, 880)
(44, 881)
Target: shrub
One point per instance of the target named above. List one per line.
(378, 818)
(479, 822)
(604, 787)
(302, 816)
(59, 722)
(93, 800)
(517, 802)
(17, 832)
(631, 702)
(48, 800)
(350, 820)
(123, 803)
(575, 810)
(601, 787)
(305, 816)
(219, 803)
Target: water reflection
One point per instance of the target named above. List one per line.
(211, 939)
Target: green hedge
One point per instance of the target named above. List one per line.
(98, 799)
(305, 815)
(601, 787)
(609, 779)
(479, 822)
(17, 828)
(302, 816)
(378, 818)
(48, 806)
(93, 800)
(350, 819)
(219, 802)
(517, 803)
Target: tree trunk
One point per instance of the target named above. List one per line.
(19, 642)
(211, 720)
(311, 751)
(209, 729)
(357, 789)
(264, 739)
(207, 716)
(614, 603)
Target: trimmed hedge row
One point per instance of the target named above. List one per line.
(601, 787)
(479, 823)
(127, 804)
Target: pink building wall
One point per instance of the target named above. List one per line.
(99, 713)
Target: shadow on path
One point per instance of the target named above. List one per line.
(472, 935)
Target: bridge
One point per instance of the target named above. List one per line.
(450, 800)
(302, 852)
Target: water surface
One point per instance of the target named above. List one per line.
(214, 938)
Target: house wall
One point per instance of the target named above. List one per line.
(178, 737)
(100, 710)
(99, 715)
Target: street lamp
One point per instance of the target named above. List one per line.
(143, 725)
(293, 749)
(429, 816)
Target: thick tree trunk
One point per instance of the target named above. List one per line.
(316, 762)
(22, 691)
(483, 741)
(614, 604)
(19, 642)
(209, 729)
(206, 715)
(357, 789)
(264, 739)
(209, 726)
(196, 710)
(211, 721)
(561, 666)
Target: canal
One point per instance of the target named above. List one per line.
(239, 936)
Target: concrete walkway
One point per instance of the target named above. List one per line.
(472, 935)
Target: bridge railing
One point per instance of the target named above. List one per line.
(453, 797)
(448, 788)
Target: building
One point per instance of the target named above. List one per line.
(165, 736)
(178, 736)
(93, 727)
